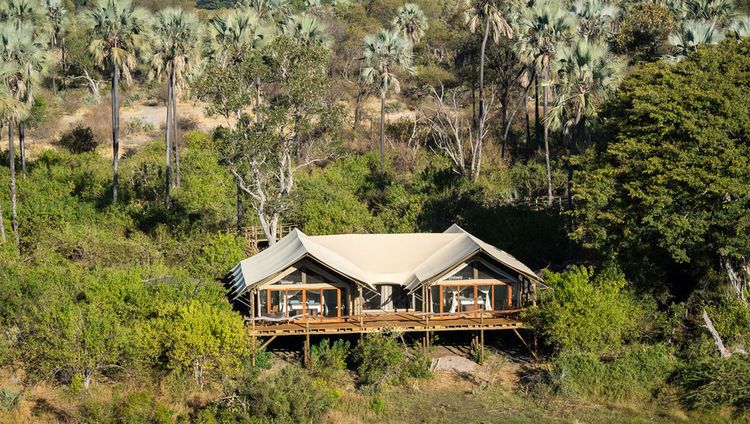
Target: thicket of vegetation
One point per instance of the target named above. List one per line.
(606, 141)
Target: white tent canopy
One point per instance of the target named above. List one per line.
(409, 260)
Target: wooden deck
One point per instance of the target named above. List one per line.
(403, 321)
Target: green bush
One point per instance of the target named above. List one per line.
(290, 396)
(79, 140)
(329, 359)
(714, 382)
(636, 373)
(380, 358)
(217, 254)
(585, 313)
(140, 407)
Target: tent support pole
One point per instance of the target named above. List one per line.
(536, 358)
(306, 348)
(481, 337)
(252, 320)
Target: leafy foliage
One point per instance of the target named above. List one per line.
(381, 361)
(79, 140)
(586, 313)
(290, 396)
(667, 183)
(713, 383)
(637, 372)
(328, 359)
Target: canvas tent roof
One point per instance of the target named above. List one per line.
(369, 259)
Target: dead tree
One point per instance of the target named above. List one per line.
(452, 131)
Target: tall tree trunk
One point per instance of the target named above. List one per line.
(480, 126)
(175, 139)
(504, 113)
(537, 129)
(546, 135)
(382, 132)
(64, 68)
(22, 146)
(115, 130)
(240, 214)
(474, 120)
(361, 93)
(577, 133)
(168, 155)
(257, 99)
(13, 202)
(528, 121)
(2, 224)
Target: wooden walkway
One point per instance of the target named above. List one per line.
(403, 321)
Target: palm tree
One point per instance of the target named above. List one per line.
(306, 30)
(385, 53)
(693, 34)
(56, 18)
(488, 12)
(410, 22)
(588, 72)
(595, 18)
(6, 104)
(717, 11)
(236, 35)
(27, 12)
(740, 27)
(545, 25)
(118, 30)
(268, 10)
(23, 61)
(177, 35)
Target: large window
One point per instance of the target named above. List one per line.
(303, 294)
(468, 299)
(304, 303)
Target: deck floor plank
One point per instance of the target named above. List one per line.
(376, 323)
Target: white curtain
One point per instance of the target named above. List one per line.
(454, 302)
(487, 300)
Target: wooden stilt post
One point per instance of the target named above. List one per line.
(307, 345)
(481, 337)
(536, 358)
(306, 351)
(361, 312)
(252, 324)
(481, 345)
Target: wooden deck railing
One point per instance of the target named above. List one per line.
(255, 237)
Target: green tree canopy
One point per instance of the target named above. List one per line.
(669, 180)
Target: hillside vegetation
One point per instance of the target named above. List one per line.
(605, 143)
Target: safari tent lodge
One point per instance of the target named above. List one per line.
(366, 282)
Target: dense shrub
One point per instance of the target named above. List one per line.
(382, 359)
(379, 359)
(329, 359)
(635, 373)
(79, 140)
(201, 338)
(714, 382)
(585, 313)
(140, 407)
(290, 396)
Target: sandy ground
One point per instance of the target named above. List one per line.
(154, 115)
(38, 141)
